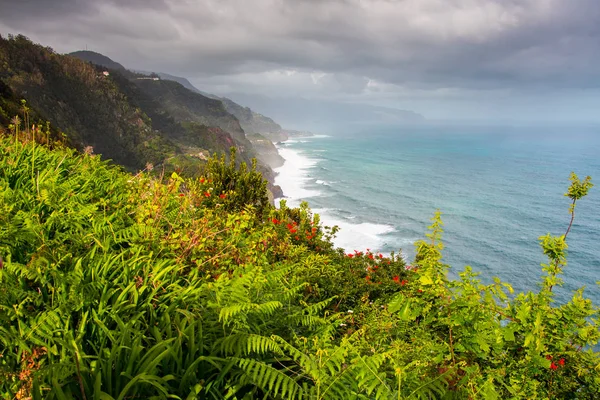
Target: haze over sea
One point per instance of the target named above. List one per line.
(498, 188)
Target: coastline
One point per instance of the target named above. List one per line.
(299, 181)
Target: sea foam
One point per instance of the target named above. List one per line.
(294, 174)
(353, 236)
(294, 178)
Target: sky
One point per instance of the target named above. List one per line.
(521, 60)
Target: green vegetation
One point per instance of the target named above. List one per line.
(132, 121)
(116, 286)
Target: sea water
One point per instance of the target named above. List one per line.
(498, 188)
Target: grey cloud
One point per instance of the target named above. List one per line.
(432, 45)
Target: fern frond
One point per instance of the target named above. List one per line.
(270, 380)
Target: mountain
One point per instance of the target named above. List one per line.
(187, 106)
(182, 81)
(253, 122)
(115, 112)
(191, 110)
(202, 107)
(250, 121)
(98, 59)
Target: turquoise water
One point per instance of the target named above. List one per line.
(498, 189)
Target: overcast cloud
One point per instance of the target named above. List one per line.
(525, 59)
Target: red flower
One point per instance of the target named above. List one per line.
(350, 255)
(561, 362)
(223, 195)
(371, 256)
(275, 221)
(207, 194)
(380, 256)
(404, 282)
(201, 180)
(397, 279)
(553, 366)
(293, 231)
(290, 226)
(181, 194)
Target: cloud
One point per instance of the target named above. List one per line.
(374, 48)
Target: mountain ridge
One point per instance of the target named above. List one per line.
(97, 58)
(117, 114)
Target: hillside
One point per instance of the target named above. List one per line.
(133, 122)
(97, 58)
(266, 150)
(253, 122)
(250, 121)
(183, 81)
(79, 100)
(185, 105)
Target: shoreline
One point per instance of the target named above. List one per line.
(299, 183)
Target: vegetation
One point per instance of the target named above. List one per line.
(117, 286)
(131, 121)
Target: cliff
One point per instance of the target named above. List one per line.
(266, 150)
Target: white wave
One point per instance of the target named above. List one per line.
(294, 175)
(352, 236)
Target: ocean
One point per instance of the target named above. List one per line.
(498, 188)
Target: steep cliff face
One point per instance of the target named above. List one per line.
(250, 121)
(253, 122)
(266, 150)
(112, 112)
